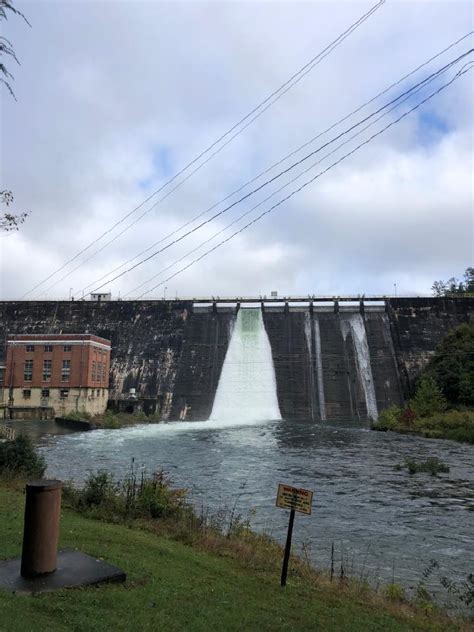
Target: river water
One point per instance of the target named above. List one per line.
(383, 522)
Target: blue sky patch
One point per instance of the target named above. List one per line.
(162, 167)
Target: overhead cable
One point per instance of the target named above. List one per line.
(308, 182)
(283, 172)
(248, 119)
(262, 173)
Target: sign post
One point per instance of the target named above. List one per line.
(294, 499)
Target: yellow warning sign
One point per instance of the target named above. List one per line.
(294, 498)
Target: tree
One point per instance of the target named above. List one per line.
(454, 286)
(452, 365)
(8, 221)
(428, 399)
(6, 48)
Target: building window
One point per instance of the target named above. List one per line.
(30, 348)
(46, 370)
(45, 393)
(94, 368)
(28, 372)
(48, 348)
(97, 392)
(26, 393)
(64, 392)
(66, 371)
(67, 348)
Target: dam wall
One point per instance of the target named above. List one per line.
(330, 363)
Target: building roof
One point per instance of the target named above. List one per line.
(56, 338)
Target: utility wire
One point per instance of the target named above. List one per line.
(253, 115)
(278, 175)
(265, 171)
(334, 164)
(238, 219)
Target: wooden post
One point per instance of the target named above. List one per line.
(286, 558)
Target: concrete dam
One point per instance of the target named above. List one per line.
(318, 359)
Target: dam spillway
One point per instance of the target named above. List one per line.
(247, 387)
(173, 352)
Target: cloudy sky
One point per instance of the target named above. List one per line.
(115, 98)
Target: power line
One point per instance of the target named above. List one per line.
(264, 172)
(258, 110)
(334, 164)
(283, 172)
(412, 92)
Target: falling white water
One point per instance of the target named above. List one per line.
(247, 385)
(319, 367)
(319, 364)
(355, 323)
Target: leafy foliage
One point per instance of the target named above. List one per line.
(455, 286)
(9, 221)
(137, 496)
(452, 365)
(19, 458)
(432, 466)
(6, 48)
(428, 399)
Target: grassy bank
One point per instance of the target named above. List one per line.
(204, 584)
(456, 425)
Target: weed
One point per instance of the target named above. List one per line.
(18, 458)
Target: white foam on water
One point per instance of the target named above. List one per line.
(246, 392)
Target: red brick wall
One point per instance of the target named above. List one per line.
(81, 357)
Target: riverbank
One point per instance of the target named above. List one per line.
(109, 419)
(456, 425)
(175, 586)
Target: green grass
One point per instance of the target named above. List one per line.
(171, 586)
(432, 466)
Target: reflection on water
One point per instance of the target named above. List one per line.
(388, 521)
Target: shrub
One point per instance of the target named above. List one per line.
(135, 497)
(394, 592)
(432, 465)
(389, 419)
(428, 398)
(19, 458)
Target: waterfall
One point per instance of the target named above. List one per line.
(247, 384)
(319, 365)
(355, 323)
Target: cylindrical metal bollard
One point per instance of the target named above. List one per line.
(41, 530)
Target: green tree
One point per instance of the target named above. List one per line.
(8, 221)
(455, 286)
(452, 366)
(428, 399)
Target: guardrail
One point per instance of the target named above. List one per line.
(7, 433)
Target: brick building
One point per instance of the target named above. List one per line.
(60, 372)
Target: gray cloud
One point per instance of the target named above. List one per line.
(106, 88)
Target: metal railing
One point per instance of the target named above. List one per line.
(7, 433)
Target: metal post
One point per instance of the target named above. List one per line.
(286, 558)
(41, 530)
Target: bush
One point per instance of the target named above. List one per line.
(389, 419)
(432, 466)
(428, 398)
(394, 592)
(18, 458)
(452, 365)
(135, 497)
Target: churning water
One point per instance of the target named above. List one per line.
(247, 384)
(383, 521)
